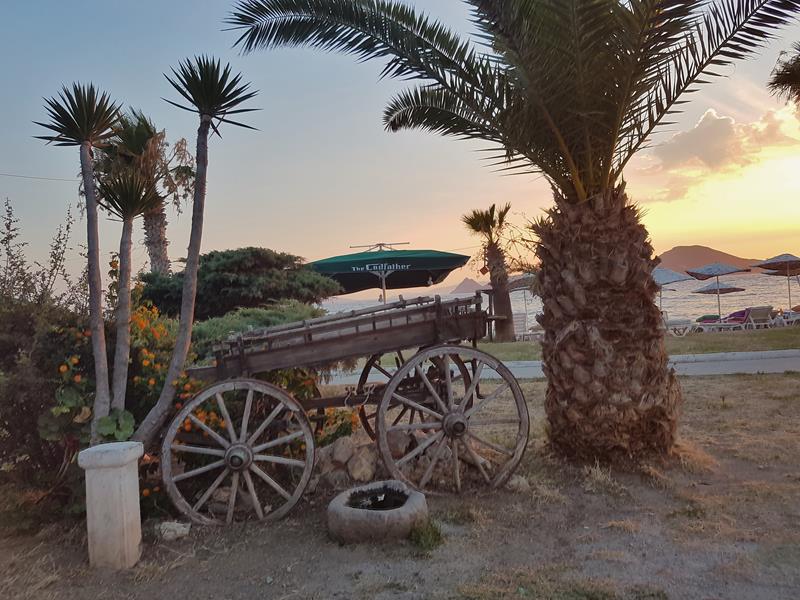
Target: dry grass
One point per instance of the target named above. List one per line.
(554, 583)
(624, 525)
(727, 503)
(599, 480)
(694, 459)
(30, 574)
(783, 338)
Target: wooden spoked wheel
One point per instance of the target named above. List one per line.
(239, 449)
(374, 377)
(475, 429)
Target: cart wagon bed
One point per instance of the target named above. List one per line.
(447, 418)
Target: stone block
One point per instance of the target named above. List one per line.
(113, 520)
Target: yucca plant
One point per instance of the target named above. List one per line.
(571, 89)
(84, 117)
(490, 225)
(126, 195)
(138, 143)
(214, 93)
(784, 81)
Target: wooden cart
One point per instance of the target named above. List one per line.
(447, 418)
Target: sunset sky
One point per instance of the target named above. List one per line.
(320, 173)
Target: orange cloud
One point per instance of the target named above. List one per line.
(717, 145)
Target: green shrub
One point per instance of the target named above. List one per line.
(427, 536)
(241, 278)
(206, 333)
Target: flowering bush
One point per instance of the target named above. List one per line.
(337, 422)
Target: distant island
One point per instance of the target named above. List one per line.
(469, 286)
(681, 258)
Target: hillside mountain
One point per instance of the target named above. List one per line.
(681, 258)
(469, 286)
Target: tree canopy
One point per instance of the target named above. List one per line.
(571, 89)
(241, 278)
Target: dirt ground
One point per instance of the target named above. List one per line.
(721, 521)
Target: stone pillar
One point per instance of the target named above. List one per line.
(112, 503)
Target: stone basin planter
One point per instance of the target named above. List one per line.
(379, 511)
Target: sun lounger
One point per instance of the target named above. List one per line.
(678, 327)
(733, 322)
(787, 317)
(521, 331)
(759, 317)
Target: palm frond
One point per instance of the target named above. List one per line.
(210, 89)
(489, 223)
(784, 81)
(78, 115)
(568, 88)
(727, 31)
(128, 194)
(415, 46)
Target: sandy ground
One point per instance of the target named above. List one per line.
(721, 521)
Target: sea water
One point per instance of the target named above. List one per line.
(678, 298)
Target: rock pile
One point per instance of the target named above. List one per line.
(345, 461)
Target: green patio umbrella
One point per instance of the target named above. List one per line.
(389, 269)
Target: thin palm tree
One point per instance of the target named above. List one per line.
(490, 225)
(571, 89)
(83, 117)
(784, 81)
(127, 195)
(214, 93)
(139, 144)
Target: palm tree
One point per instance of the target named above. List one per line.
(138, 143)
(785, 79)
(126, 195)
(571, 89)
(85, 118)
(214, 94)
(489, 224)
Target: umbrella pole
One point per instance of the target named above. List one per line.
(789, 285)
(383, 287)
(719, 304)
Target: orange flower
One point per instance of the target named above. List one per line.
(145, 363)
(88, 333)
(145, 493)
(136, 379)
(151, 382)
(77, 379)
(187, 387)
(74, 360)
(63, 369)
(187, 426)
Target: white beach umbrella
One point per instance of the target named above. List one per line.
(716, 270)
(663, 277)
(787, 265)
(715, 287)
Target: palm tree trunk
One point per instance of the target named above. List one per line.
(155, 239)
(123, 348)
(610, 392)
(498, 277)
(102, 399)
(158, 414)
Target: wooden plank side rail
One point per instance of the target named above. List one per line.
(324, 345)
(307, 332)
